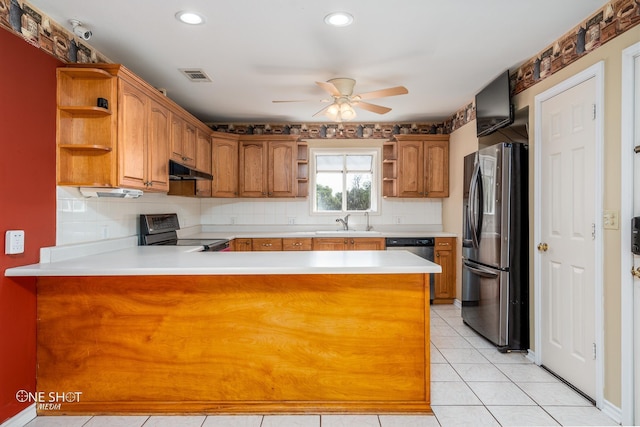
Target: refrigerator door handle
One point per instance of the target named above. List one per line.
(475, 206)
(481, 271)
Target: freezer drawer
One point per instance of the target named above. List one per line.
(485, 301)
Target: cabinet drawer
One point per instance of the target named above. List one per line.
(266, 244)
(289, 244)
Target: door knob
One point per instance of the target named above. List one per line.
(635, 272)
(542, 247)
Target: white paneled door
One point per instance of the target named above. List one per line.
(567, 239)
(636, 258)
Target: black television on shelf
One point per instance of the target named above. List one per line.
(493, 106)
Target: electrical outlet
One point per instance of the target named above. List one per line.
(232, 220)
(397, 220)
(610, 220)
(291, 220)
(14, 242)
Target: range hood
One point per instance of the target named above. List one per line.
(119, 193)
(178, 171)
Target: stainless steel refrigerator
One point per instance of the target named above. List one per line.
(495, 272)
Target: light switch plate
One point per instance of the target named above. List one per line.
(610, 220)
(14, 242)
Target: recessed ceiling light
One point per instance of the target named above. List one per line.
(191, 18)
(339, 19)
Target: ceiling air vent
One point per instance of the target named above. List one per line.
(195, 74)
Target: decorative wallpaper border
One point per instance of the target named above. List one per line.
(613, 19)
(335, 130)
(44, 33)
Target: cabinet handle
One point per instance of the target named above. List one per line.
(353, 242)
(438, 255)
(267, 244)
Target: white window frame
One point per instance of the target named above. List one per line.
(375, 178)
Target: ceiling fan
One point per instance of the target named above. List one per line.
(341, 107)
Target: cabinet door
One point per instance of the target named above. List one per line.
(132, 136)
(189, 144)
(225, 168)
(253, 169)
(241, 245)
(182, 149)
(266, 244)
(410, 169)
(367, 244)
(281, 170)
(158, 148)
(436, 167)
(203, 151)
(445, 282)
(330, 244)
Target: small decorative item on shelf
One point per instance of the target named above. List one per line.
(103, 103)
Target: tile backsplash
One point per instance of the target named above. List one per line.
(81, 219)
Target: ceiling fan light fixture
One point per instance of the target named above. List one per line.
(347, 112)
(191, 18)
(339, 19)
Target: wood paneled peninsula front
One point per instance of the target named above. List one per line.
(167, 330)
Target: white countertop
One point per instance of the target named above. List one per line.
(233, 232)
(181, 260)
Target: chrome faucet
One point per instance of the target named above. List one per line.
(368, 226)
(344, 221)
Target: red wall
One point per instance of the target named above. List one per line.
(27, 202)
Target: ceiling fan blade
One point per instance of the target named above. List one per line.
(372, 107)
(392, 91)
(330, 88)
(322, 111)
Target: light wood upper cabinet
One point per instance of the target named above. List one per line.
(143, 138)
(128, 144)
(203, 150)
(225, 165)
(436, 168)
(158, 147)
(268, 166)
(183, 141)
(280, 169)
(416, 166)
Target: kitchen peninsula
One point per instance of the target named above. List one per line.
(172, 330)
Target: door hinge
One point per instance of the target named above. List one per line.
(594, 111)
(594, 351)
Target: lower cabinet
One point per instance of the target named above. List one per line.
(348, 244)
(308, 244)
(445, 282)
(240, 245)
(266, 244)
(292, 244)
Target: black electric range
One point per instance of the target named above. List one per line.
(161, 229)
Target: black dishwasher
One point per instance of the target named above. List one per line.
(424, 247)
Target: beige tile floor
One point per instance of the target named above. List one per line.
(472, 384)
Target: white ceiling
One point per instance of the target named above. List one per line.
(257, 51)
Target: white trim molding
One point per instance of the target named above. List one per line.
(626, 213)
(22, 418)
(595, 71)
